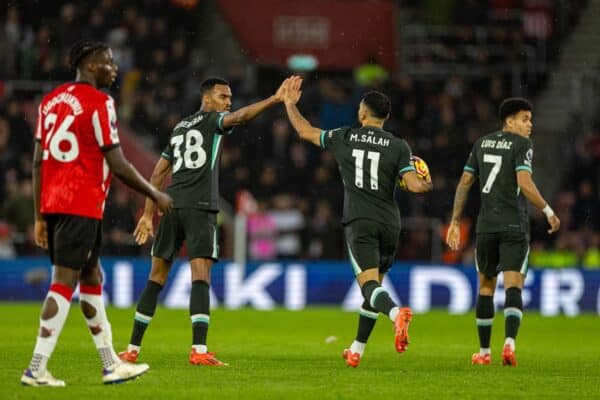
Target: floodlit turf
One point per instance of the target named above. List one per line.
(284, 355)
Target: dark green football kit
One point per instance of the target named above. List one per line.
(193, 151)
(503, 224)
(370, 161)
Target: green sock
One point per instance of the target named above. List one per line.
(513, 312)
(200, 311)
(377, 297)
(484, 313)
(366, 322)
(145, 311)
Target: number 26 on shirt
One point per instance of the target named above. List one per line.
(60, 143)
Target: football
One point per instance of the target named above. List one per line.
(421, 169)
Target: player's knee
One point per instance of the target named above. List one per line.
(371, 274)
(486, 291)
(487, 286)
(159, 277)
(91, 276)
(66, 276)
(513, 279)
(201, 272)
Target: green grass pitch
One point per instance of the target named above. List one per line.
(283, 355)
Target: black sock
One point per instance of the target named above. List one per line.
(366, 322)
(145, 311)
(484, 313)
(513, 312)
(377, 297)
(200, 311)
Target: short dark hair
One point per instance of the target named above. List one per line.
(83, 49)
(512, 106)
(379, 104)
(210, 83)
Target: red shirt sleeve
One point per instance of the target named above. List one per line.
(104, 120)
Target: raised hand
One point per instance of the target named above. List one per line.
(291, 90)
(280, 91)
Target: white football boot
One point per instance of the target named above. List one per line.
(45, 379)
(123, 371)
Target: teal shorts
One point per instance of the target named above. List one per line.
(197, 228)
(502, 251)
(371, 244)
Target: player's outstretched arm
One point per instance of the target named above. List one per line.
(415, 184)
(291, 96)
(40, 228)
(251, 111)
(531, 192)
(131, 177)
(460, 198)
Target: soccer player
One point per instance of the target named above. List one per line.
(76, 149)
(192, 157)
(502, 161)
(370, 161)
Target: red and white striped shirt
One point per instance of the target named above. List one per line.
(76, 123)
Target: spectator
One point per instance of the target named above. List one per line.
(7, 250)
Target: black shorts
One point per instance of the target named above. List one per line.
(502, 251)
(198, 228)
(371, 244)
(73, 241)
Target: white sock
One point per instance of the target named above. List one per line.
(358, 347)
(200, 348)
(511, 342)
(483, 351)
(394, 313)
(100, 329)
(133, 347)
(44, 346)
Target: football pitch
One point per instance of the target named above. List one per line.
(285, 355)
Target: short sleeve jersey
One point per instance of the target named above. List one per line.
(76, 124)
(495, 159)
(194, 150)
(370, 161)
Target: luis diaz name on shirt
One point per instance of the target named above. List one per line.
(496, 144)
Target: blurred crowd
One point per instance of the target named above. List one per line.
(290, 190)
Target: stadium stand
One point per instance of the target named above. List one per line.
(457, 65)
